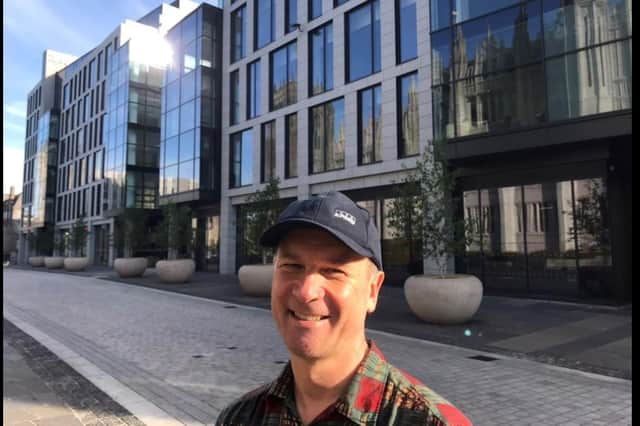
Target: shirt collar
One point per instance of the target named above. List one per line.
(363, 397)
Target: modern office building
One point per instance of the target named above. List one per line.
(533, 99)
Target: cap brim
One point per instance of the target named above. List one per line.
(273, 235)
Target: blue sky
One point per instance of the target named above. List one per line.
(31, 26)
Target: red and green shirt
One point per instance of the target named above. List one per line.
(378, 394)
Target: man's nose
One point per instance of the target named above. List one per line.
(309, 288)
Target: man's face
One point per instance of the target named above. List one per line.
(321, 294)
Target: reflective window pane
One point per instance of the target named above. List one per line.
(363, 49)
(409, 131)
(370, 126)
(186, 146)
(234, 100)
(406, 30)
(321, 59)
(238, 34)
(291, 148)
(264, 28)
(268, 150)
(253, 89)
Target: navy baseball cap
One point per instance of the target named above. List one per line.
(335, 213)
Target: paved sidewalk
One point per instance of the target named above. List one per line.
(592, 338)
(40, 389)
(189, 356)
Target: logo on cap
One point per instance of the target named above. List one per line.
(341, 214)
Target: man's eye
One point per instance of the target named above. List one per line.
(335, 272)
(292, 267)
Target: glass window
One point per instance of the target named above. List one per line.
(186, 146)
(268, 151)
(327, 136)
(189, 61)
(321, 58)
(370, 125)
(171, 180)
(185, 176)
(441, 57)
(315, 9)
(253, 89)
(171, 151)
(265, 22)
(284, 77)
(241, 158)
(206, 55)
(363, 46)
(187, 116)
(234, 100)
(570, 25)
(188, 87)
(591, 81)
(337, 3)
(171, 122)
(500, 41)
(440, 14)
(238, 32)
(443, 114)
(406, 30)
(291, 15)
(291, 146)
(500, 101)
(467, 9)
(188, 28)
(409, 143)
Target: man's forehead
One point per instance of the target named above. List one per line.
(313, 236)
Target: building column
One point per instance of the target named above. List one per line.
(91, 242)
(227, 237)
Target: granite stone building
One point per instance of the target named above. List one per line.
(533, 99)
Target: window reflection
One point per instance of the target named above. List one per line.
(363, 49)
(328, 137)
(409, 131)
(238, 34)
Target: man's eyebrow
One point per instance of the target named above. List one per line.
(332, 258)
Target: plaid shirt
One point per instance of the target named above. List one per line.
(378, 394)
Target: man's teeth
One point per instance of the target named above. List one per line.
(307, 317)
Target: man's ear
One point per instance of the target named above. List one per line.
(375, 282)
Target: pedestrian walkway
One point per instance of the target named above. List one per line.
(40, 389)
(592, 338)
(187, 357)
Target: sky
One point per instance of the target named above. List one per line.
(28, 28)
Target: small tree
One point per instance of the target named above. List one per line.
(260, 212)
(130, 232)
(175, 233)
(424, 208)
(79, 235)
(61, 243)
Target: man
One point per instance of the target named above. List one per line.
(327, 276)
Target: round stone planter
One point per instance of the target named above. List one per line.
(129, 267)
(453, 299)
(255, 280)
(36, 261)
(54, 262)
(175, 271)
(75, 264)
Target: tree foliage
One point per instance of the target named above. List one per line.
(260, 212)
(424, 209)
(175, 232)
(130, 232)
(79, 235)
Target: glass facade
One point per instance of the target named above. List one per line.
(265, 22)
(234, 97)
(291, 15)
(253, 89)
(238, 33)
(363, 41)
(241, 151)
(327, 142)
(268, 151)
(315, 9)
(190, 160)
(291, 146)
(369, 125)
(506, 65)
(406, 30)
(284, 77)
(321, 59)
(408, 123)
(545, 237)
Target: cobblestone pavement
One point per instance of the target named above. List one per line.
(40, 389)
(191, 356)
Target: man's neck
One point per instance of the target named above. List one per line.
(319, 383)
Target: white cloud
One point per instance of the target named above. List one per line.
(18, 109)
(7, 125)
(12, 163)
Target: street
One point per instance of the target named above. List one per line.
(176, 359)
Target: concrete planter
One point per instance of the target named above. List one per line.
(175, 271)
(255, 280)
(75, 264)
(36, 261)
(453, 299)
(129, 267)
(54, 262)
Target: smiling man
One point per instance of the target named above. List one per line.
(327, 277)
